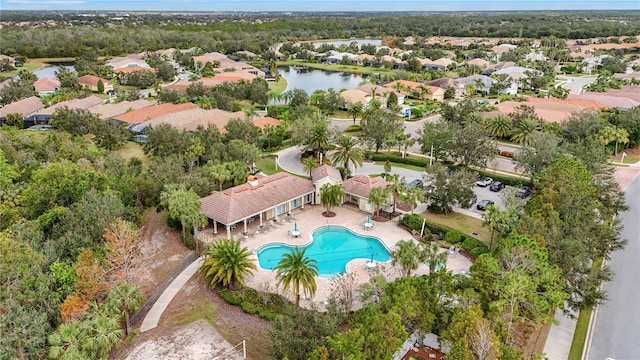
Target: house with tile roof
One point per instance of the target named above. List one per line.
(625, 98)
(415, 89)
(43, 116)
(107, 111)
(226, 64)
(91, 82)
(257, 201)
(210, 82)
(548, 109)
(150, 112)
(358, 188)
(24, 107)
(262, 122)
(190, 119)
(46, 86)
(323, 175)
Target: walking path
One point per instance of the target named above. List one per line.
(153, 316)
(560, 337)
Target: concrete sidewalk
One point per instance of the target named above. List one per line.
(560, 337)
(153, 316)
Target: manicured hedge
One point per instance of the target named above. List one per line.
(251, 302)
(507, 180)
(413, 221)
(401, 160)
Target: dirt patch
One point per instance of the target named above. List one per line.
(328, 214)
(195, 341)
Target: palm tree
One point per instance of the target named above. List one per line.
(220, 174)
(355, 110)
(226, 264)
(347, 153)
(330, 196)
(103, 333)
(238, 172)
(523, 130)
(183, 205)
(424, 90)
(499, 126)
(408, 255)
(125, 299)
(433, 257)
(298, 272)
(319, 136)
(395, 187)
(494, 218)
(66, 342)
(378, 197)
(309, 164)
(413, 196)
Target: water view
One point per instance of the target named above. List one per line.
(311, 80)
(50, 71)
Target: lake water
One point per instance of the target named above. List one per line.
(311, 80)
(337, 43)
(50, 71)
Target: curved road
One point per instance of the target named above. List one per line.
(616, 325)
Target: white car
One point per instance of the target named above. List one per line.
(484, 182)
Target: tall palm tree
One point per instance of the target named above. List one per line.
(103, 333)
(347, 153)
(331, 196)
(238, 172)
(413, 196)
(408, 255)
(434, 258)
(226, 264)
(355, 110)
(220, 174)
(320, 135)
(66, 342)
(378, 197)
(395, 186)
(309, 164)
(495, 220)
(424, 90)
(125, 299)
(499, 126)
(297, 271)
(523, 129)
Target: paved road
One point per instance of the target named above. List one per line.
(575, 84)
(616, 329)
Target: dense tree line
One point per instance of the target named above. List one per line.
(229, 37)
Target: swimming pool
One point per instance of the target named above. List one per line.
(332, 247)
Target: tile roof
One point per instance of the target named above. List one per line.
(91, 80)
(106, 111)
(189, 119)
(412, 85)
(150, 112)
(266, 121)
(131, 69)
(549, 109)
(480, 62)
(361, 185)
(324, 171)
(85, 103)
(234, 204)
(609, 99)
(46, 84)
(352, 96)
(25, 106)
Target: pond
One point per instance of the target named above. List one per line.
(311, 80)
(50, 71)
(376, 42)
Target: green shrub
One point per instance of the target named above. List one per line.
(249, 307)
(400, 160)
(479, 251)
(266, 314)
(353, 128)
(453, 236)
(471, 243)
(412, 221)
(229, 297)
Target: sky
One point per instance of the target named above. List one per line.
(318, 5)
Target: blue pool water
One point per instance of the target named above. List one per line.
(332, 247)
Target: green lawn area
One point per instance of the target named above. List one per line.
(355, 69)
(580, 335)
(279, 86)
(267, 165)
(463, 223)
(132, 149)
(28, 67)
(404, 166)
(628, 160)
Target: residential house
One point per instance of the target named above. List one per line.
(107, 111)
(190, 119)
(418, 90)
(10, 59)
(625, 98)
(146, 113)
(498, 50)
(549, 109)
(480, 83)
(24, 107)
(257, 201)
(263, 122)
(91, 82)
(358, 188)
(517, 73)
(43, 116)
(226, 64)
(46, 86)
(323, 175)
(129, 63)
(210, 82)
(480, 62)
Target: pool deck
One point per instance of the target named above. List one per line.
(349, 217)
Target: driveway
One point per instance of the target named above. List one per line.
(575, 84)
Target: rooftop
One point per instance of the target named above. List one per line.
(25, 106)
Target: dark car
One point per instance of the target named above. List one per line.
(415, 183)
(482, 205)
(524, 192)
(484, 182)
(496, 186)
(472, 200)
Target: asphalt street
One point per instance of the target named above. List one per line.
(616, 328)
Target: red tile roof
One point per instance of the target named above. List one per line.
(132, 69)
(361, 185)
(84, 103)
(147, 113)
(91, 80)
(324, 171)
(266, 121)
(234, 204)
(46, 84)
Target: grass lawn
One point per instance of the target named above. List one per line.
(28, 67)
(404, 166)
(267, 165)
(354, 69)
(279, 86)
(580, 335)
(628, 159)
(132, 149)
(463, 223)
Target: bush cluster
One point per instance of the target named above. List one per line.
(412, 221)
(474, 246)
(400, 159)
(267, 306)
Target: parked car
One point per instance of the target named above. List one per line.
(496, 186)
(415, 183)
(524, 192)
(484, 182)
(482, 205)
(472, 200)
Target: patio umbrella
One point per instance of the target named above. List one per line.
(368, 219)
(295, 226)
